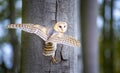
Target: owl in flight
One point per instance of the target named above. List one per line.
(51, 40)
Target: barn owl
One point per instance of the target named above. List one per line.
(51, 40)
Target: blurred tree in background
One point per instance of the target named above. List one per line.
(10, 12)
(110, 37)
(13, 37)
(107, 42)
(89, 35)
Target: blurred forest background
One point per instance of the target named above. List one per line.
(108, 22)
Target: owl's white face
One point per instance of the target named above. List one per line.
(60, 27)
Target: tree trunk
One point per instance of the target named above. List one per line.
(13, 40)
(47, 13)
(89, 36)
(107, 43)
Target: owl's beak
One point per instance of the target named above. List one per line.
(62, 29)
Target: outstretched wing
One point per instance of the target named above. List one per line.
(32, 28)
(65, 39)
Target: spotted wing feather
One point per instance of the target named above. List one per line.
(31, 28)
(67, 40)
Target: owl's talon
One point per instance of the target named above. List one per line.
(54, 60)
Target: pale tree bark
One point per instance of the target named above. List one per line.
(89, 36)
(47, 13)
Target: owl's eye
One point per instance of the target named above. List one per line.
(60, 26)
(64, 26)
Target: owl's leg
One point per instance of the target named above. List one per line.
(54, 59)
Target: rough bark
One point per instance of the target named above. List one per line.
(89, 36)
(46, 13)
